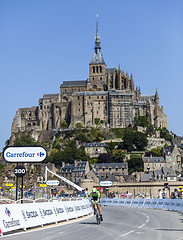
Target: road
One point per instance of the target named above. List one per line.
(119, 224)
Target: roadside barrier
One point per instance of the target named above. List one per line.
(156, 203)
(22, 216)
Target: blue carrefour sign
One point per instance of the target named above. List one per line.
(25, 154)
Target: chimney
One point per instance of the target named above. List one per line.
(63, 164)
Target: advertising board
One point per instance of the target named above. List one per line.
(25, 154)
(52, 182)
(105, 183)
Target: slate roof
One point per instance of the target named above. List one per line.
(146, 177)
(96, 144)
(111, 178)
(112, 165)
(154, 160)
(97, 58)
(111, 70)
(71, 168)
(148, 97)
(169, 172)
(74, 83)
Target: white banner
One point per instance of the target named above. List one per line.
(10, 218)
(17, 216)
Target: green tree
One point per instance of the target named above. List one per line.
(135, 163)
(128, 139)
(164, 133)
(24, 140)
(110, 146)
(69, 154)
(105, 158)
(133, 140)
(150, 131)
(118, 155)
(140, 141)
(97, 121)
(141, 121)
(64, 124)
(81, 137)
(78, 125)
(156, 152)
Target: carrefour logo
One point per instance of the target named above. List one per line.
(25, 154)
(7, 211)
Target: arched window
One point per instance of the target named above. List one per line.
(100, 69)
(93, 69)
(97, 69)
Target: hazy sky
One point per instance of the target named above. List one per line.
(46, 42)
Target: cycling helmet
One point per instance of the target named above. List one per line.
(94, 190)
(180, 187)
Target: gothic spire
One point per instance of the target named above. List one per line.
(97, 38)
(97, 57)
(156, 96)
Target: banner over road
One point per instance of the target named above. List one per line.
(25, 154)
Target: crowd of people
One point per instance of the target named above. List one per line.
(177, 193)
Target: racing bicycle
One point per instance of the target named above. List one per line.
(97, 214)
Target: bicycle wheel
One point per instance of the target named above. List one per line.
(97, 219)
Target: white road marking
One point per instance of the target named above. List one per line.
(139, 226)
(142, 225)
(126, 233)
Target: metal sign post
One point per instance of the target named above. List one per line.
(19, 171)
(23, 154)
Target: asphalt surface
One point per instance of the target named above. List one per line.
(119, 223)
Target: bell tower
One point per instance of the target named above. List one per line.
(97, 67)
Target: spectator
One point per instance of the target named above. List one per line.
(160, 194)
(172, 196)
(86, 193)
(126, 194)
(180, 192)
(176, 193)
(164, 194)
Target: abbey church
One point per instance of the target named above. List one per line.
(108, 97)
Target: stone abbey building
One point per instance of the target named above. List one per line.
(108, 95)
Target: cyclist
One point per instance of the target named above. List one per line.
(95, 197)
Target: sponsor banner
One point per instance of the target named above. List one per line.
(25, 154)
(46, 212)
(154, 203)
(178, 204)
(59, 211)
(135, 203)
(30, 215)
(88, 205)
(115, 201)
(109, 202)
(105, 183)
(78, 208)
(88, 208)
(141, 202)
(121, 202)
(10, 218)
(166, 204)
(69, 208)
(17, 216)
(160, 203)
(147, 203)
(128, 202)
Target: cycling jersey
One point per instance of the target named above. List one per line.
(95, 197)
